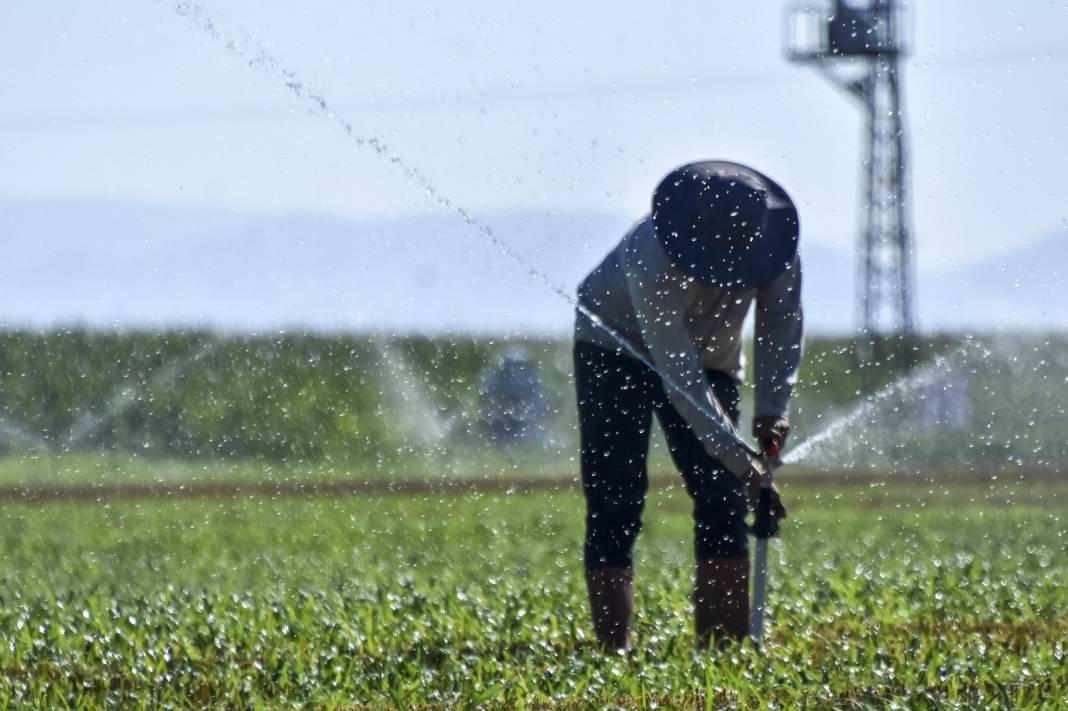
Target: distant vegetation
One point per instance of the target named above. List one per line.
(388, 403)
(276, 398)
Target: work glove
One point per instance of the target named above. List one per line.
(769, 511)
(753, 480)
(771, 430)
(764, 501)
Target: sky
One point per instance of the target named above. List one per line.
(543, 108)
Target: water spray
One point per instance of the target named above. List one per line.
(766, 523)
(259, 58)
(125, 397)
(860, 411)
(419, 413)
(11, 432)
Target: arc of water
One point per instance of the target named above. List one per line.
(865, 407)
(11, 432)
(125, 396)
(417, 407)
(259, 58)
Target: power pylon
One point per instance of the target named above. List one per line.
(858, 46)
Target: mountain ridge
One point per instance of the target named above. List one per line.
(111, 264)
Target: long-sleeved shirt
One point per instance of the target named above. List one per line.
(683, 327)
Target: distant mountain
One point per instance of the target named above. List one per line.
(1025, 289)
(112, 264)
(122, 265)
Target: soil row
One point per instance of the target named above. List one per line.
(222, 489)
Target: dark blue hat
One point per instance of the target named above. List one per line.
(725, 224)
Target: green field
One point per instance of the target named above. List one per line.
(944, 587)
(903, 595)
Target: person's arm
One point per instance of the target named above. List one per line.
(659, 308)
(777, 349)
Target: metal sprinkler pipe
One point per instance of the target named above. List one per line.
(765, 526)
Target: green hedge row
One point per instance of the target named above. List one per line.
(201, 394)
(363, 398)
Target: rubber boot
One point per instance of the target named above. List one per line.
(721, 600)
(611, 592)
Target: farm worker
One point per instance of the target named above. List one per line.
(675, 291)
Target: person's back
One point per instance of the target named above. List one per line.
(659, 329)
(713, 316)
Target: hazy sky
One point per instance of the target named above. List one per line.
(549, 106)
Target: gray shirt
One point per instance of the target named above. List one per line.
(683, 327)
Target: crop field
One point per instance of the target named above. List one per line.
(322, 320)
(906, 595)
(191, 520)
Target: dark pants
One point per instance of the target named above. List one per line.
(617, 396)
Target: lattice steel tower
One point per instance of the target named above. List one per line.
(858, 45)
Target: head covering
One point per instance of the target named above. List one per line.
(725, 224)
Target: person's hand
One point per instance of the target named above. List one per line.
(775, 500)
(754, 480)
(754, 484)
(770, 432)
(769, 513)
